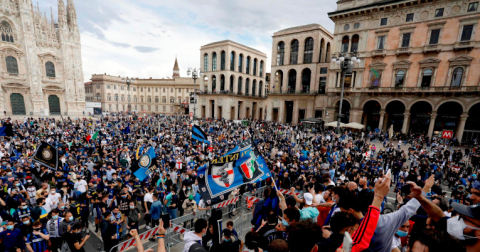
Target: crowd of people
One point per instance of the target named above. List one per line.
(342, 179)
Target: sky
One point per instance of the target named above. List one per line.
(141, 38)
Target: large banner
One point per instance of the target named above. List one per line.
(242, 165)
(199, 135)
(47, 155)
(145, 164)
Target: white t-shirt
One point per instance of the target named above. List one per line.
(53, 198)
(319, 198)
(81, 186)
(148, 197)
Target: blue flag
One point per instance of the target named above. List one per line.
(199, 135)
(145, 164)
(242, 165)
(2, 131)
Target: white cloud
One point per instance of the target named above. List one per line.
(141, 38)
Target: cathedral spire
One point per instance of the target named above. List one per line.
(71, 14)
(176, 69)
(61, 12)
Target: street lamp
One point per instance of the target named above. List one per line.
(128, 81)
(196, 73)
(345, 61)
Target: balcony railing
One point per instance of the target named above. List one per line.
(461, 45)
(227, 92)
(379, 53)
(404, 50)
(294, 92)
(407, 89)
(432, 48)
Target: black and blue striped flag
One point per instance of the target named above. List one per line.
(199, 135)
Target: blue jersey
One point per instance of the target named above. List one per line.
(37, 243)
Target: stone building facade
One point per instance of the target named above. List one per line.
(159, 96)
(41, 63)
(233, 84)
(419, 65)
(300, 63)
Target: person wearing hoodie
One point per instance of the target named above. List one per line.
(196, 235)
(189, 206)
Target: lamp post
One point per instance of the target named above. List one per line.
(196, 73)
(128, 81)
(345, 61)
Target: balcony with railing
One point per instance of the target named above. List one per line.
(293, 92)
(432, 48)
(404, 50)
(462, 45)
(379, 53)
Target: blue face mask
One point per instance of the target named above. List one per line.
(17, 184)
(62, 207)
(226, 240)
(71, 218)
(285, 223)
(401, 233)
(10, 227)
(55, 217)
(26, 222)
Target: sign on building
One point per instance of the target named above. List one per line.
(447, 134)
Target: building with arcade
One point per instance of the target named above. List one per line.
(419, 68)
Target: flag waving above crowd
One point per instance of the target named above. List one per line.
(145, 164)
(199, 135)
(47, 155)
(242, 165)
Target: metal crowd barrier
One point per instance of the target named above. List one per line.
(240, 223)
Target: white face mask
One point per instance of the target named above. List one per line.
(455, 227)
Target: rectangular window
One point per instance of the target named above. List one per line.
(323, 70)
(406, 39)
(472, 6)
(322, 85)
(383, 21)
(318, 113)
(409, 17)
(439, 12)
(467, 33)
(434, 37)
(381, 43)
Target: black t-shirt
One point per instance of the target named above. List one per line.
(72, 239)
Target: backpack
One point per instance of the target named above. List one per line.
(263, 207)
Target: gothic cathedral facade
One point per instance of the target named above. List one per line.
(40, 61)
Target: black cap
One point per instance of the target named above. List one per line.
(469, 211)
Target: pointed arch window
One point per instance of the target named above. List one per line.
(50, 69)
(7, 32)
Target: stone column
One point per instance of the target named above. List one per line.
(382, 116)
(433, 117)
(406, 116)
(461, 127)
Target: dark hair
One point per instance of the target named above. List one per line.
(436, 241)
(37, 223)
(303, 236)
(229, 223)
(350, 201)
(76, 226)
(342, 220)
(55, 211)
(266, 192)
(200, 224)
(227, 233)
(339, 190)
(252, 240)
(290, 201)
(40, 200)
(292, 213)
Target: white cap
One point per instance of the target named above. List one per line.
(308, 198)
